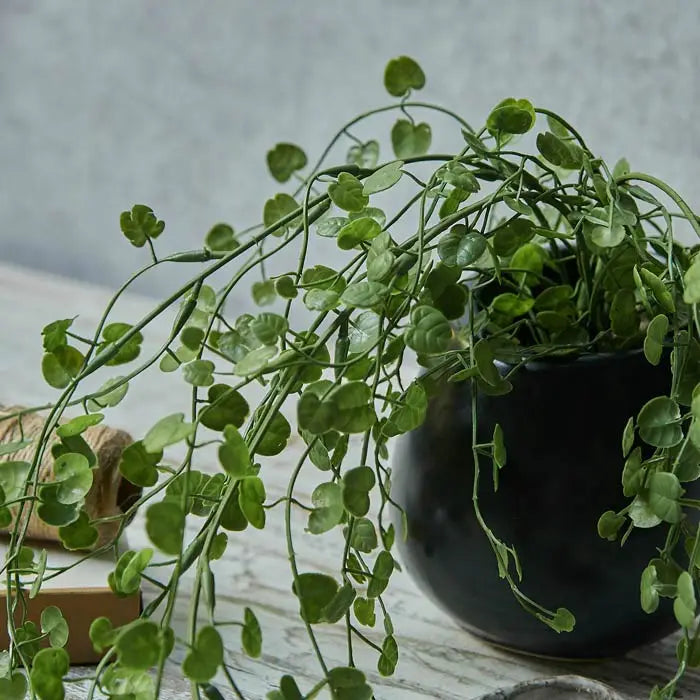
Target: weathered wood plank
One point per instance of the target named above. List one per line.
(438, 660)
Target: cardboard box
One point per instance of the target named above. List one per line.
(81, 593)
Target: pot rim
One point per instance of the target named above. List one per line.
(565, 361)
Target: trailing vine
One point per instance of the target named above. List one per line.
(493, 253)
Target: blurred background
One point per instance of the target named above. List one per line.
(174, 104)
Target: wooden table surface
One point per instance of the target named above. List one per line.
(438, 659)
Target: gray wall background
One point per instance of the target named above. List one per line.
(174, 104)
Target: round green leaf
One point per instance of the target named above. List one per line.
(74, 476)
(664, 490)
(79, 534)
(139, 644)
(384, 178)
(221, 238)
(264, 293)
(102, 634)
(14, 687)
(364, 536)
(199, 372)
(234, 455)
(647, 588)
(165, 525)
(140, 224)
(429, 332)
(383, 568)
(251, 496)
(48, 668)
(609, 524)
(659, 422)
(407, 414)
(61, 366)
(285, 287)
(663, 296)
(509, 238)
(327, 500)
(364, 611)
(348, 684)
(363, 332)
(357, 483)
(284, 160)
(347, 193)
(559, 152)
(205, 657)
(279, 207)
(269, 327)
(167, 431)
(511, 116)
(623, 314)
(653, 342)
(139, 466)
(364, 294)
(386, 664)
(226, 407)
(275, 437)
(460, 248)
(321, 299)
(409, 140)
(55, 626)
(357, 231)
(353, 408)
(401, 75)
(251, 634)
(512, 305)
(684, 605)
(365, 155)
(255, 361)
(691, 283)
(315, 592)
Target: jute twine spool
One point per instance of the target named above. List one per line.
(110, 494)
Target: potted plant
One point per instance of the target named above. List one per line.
(554, 315)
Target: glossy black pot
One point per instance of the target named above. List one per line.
(562, 423)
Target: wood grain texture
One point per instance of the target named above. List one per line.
(438, 659)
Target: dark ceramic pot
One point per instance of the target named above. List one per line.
(562, 423)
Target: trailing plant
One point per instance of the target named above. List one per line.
(489, 251)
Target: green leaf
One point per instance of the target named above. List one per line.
(226, 407)
(649, 596)
(499, 447)
(139, 466)
(609, 524)
(664, 490)
(284, 160)
(530, 257)
(13, 687)
(285, 287)
(409, 140)
(518, 206)
(140, 224)
(633, 473)
(125, 580)
(659, 422)
(509, 238)
(364, 294)
(363, 536)
(61, 366)
(54, 334)
(429, 332)
(269, 327)
(139, 645)
(205, 657)
(80, 534)
(653, 342)
(403, 74)
(348, 684)
(339, 604)
(357, 483)
(251, 496)
(8, 448)
(313, 414)
(460, 248)
(456, 174)
(255, 361)
(663, 296)
(384, 178)
(623, 314)
(357, 231)
(321, 299)
(315, 592)
(199, 372)
(363, 332)
(275, 437)
(78, 425)
(165, 525)
(691, 283)
(102, 634)
(409, 413)
(48, 668)
(327, 500)
(484, 359)
(251, 634)
(684, 605)
(277, 208)
(381, 572)
(221, 238)
(54, 625)
(264, 293)
(353, 407)
(347, 193)
(113, 333)
(167, 431)
(54, 513)
(74, 476)
(606, 231)
(512, 305)
(364, 611)
(365, 155)
(511, 116)
(386, 664)
(13, 475)
(563, 620)
(234, 455)
(641, 514)
(561, 153)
